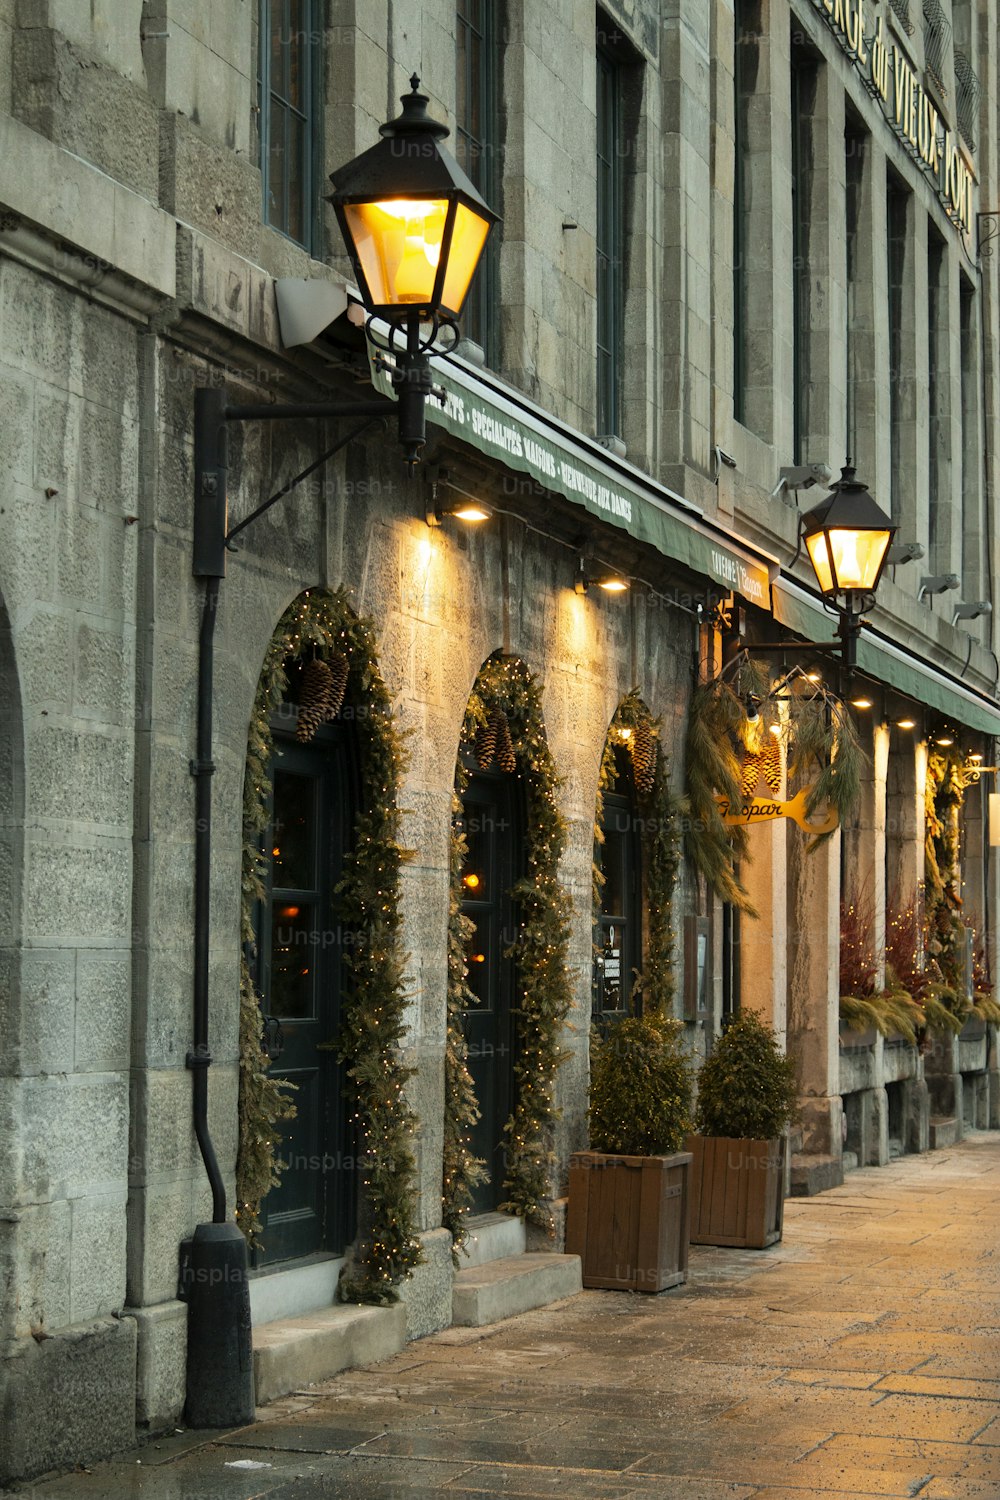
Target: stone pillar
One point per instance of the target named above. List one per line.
(763, 943)
(813, 1006)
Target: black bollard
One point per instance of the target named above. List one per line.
(219, 1348)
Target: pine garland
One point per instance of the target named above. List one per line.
(660, 809)
(367, 903)
(539, 951)
(819, 733)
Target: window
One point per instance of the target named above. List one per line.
(976, 553)
(804, 81)
(898, 222)
(938, 412)
(855, 156)
(477, 149)
(288, 93)
(742, 74)
(610, 245)
(619, 936)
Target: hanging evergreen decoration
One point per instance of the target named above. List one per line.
(462, 1170)
(660, 812)
(730, 723)
(944, 929)
(321, 625)
(314, 699)
(539, 951)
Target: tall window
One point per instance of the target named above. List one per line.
(855, 148)
(477, 148)
(973, 565)
(803, 104)
(288, 94)
(610, 244)
(937, 396)
(898, 221)
(619, 956)
(744, 71)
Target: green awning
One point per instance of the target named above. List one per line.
(505, 426)
(889, 663)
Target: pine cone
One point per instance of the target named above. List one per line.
(643, 750)
(314, 697)
(506, 758)
(486, 742)
(339, 667)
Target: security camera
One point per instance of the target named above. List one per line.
(801, 477)
(725, 458)
(903, 552)
(971, 610)
(938, 583)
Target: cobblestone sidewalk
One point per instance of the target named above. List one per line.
(859, 1357)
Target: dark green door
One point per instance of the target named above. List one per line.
(492, 837)
(300, 948)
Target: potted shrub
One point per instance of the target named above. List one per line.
(746, 1097)
(629, 1211)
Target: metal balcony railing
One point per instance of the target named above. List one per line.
(901, 10)
(968, 90)
(937, 34)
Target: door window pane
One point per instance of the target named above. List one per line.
(293, 851)
(293, 950)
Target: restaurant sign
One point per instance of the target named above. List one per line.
(892, 81)
(766, 809)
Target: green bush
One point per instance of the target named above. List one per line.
(640, 1089)
(746, 1088)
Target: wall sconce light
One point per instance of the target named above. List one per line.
(608, 579)
(971, 610)
(938, 583)
(906, 723)
(944, 736)
(465, 508)
(862, 702)
(904, 552)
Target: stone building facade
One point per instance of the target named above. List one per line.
(735, 240)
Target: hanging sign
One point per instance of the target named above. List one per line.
(766, 809)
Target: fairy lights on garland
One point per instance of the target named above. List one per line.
(461, 1171)
(634, 728)
(539, 952)
(367, 904)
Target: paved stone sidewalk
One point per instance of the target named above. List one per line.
(859, 1357)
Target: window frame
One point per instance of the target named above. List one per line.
(480, 315)
(310, 113)
(609, 243)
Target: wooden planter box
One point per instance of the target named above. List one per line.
(629, 1219)
(737, 1191)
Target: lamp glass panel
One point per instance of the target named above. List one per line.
(467, 242)
(398, 242)
(819, 556)
(857, 557)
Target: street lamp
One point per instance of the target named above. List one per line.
(415, 228)
(847, 537)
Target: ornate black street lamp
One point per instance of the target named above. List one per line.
(415, 229)
(847, 537)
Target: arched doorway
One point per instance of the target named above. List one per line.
(618, 859)
(323, 959)
(491, 821)
(508, 984)
(299, 976)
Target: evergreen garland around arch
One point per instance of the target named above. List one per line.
(634, 728)
(505, 686)
(367, 903)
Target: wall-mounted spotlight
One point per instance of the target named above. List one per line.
(463, 508)
(801, 477)
(906, 722)
(938, 583)
(862, 702)
(903, 552)
(944, 737)
(601, 577)
(306, 305)
(971, 610)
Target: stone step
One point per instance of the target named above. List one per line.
(295, 1352)
(503, 1288)
(849, 1161)
(303, 1287)
(944, 1131)
(491, 1237)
